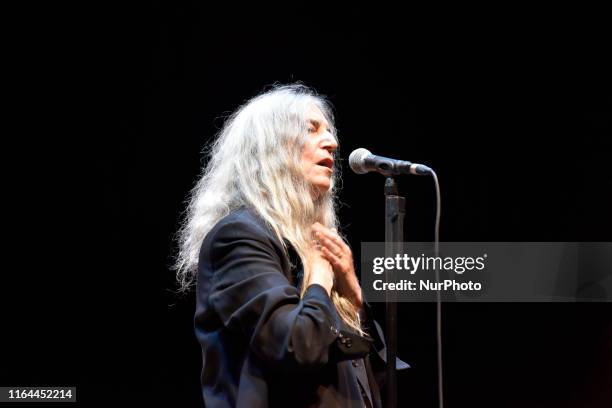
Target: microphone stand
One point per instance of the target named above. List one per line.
(395, 210)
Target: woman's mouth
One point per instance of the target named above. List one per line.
(327, 162)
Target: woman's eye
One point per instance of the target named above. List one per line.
(312, 130)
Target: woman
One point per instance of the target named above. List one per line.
(279, 316)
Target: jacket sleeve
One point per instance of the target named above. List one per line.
(378, 356)
(254, 299)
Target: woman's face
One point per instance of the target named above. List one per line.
(317, 159)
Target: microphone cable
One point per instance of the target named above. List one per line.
(438, 299)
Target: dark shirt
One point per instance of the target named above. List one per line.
(263, 345)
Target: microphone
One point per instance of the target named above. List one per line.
(363, 161)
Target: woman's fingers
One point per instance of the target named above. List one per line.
(332, 234)
(331, 240)
(328, 243)
(331, 257)
(334, 249)
(315, 244)
(340, 257)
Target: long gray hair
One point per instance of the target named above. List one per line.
(255, 162)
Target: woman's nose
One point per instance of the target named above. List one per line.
(329, 142)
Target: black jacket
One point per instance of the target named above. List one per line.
(263, 345)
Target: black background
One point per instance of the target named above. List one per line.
(114, 105)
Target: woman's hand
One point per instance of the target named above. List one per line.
(339, 255)
(321, 270)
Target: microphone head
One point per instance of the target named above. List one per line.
(357, 160)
